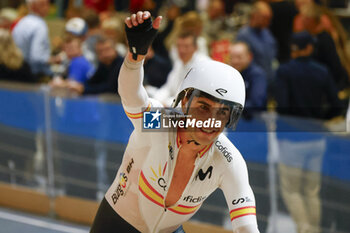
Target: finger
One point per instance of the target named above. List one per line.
(139, 16)
(157, 22)
(133, 20)
(128, 22)
(146, 15)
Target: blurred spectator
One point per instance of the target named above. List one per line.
(216, 26)
(105, 78)
(161, 44)
(77, 27)
(22, 11)
(325, 22)
(121, 5)
(341, 41)
(113, 28)
(254, 78)
(98, 5)
(12, 65)
(304, 87)
(300, 177)
(189, 22)
(187, 56)
(156, 70)
(31, 36)
(184, 6)
(7, 17)
(79, 69)
(283, 13)
(259, 38)
(94, 31)
(325, 50)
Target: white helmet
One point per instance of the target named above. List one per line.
(217, 81)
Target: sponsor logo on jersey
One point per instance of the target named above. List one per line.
(241, 200)
(121, 188)
(158, 178)
(202, 175)
(192, 199)
(128, 169)
(227, 154)
(123, 180)
(149, 192)
(171, 151)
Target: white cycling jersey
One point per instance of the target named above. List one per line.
(141, 184)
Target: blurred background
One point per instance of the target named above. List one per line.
(63, 130)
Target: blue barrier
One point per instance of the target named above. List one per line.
(22, 109)
(89, 117)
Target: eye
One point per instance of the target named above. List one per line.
(223, 112)
(204, 107)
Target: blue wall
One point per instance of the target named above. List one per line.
(91, 118)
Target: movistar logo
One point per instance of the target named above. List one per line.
(202, 175)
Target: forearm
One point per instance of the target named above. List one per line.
(130, 87)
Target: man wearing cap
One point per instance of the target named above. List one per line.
(303, 86)
(78, 27)
(31, 36)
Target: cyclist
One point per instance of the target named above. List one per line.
(166, 175)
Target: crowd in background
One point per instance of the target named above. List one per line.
(292, 54)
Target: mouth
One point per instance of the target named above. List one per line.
(208, 131)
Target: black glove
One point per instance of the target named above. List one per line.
(140, 37)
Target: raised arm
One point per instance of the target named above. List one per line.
(140, 33)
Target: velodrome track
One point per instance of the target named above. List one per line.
(12, 221)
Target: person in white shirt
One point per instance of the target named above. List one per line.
(32, 37)
(186, 45)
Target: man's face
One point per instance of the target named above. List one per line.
(72, 49)
(309, 23)
(41, 7)
(186, 48)
(300, 3)
(240, 57)
(216, 9)
(262, 19)
(203, 109)
(106, 52)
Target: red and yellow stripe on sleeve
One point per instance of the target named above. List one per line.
(137, 115)
(244, 211)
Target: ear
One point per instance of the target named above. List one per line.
(251, 57)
